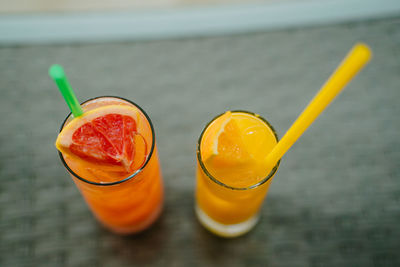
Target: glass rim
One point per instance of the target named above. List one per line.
(215, 180)
(126, 178)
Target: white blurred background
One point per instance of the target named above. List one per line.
(13, 6)
(50, 21)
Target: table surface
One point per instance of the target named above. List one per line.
(334, 202)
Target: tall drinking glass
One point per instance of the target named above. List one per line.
(124, 204)
(222, 206)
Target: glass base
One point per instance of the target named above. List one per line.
(225, 230)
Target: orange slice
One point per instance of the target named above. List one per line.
(105, 136)
(228, 146)
(232, 150)
(223, 145)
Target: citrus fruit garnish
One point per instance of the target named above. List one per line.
(105, 137)
(234, 148)
(228, 147)
(225, 154)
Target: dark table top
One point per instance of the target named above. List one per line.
(334, 202)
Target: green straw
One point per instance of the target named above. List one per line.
(56, 72)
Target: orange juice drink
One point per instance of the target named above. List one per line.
(232, 176)
(111, 155)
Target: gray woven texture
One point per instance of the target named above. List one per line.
(334, 202)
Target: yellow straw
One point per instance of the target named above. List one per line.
(350, 66)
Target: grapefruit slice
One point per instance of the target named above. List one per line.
(105, 136)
